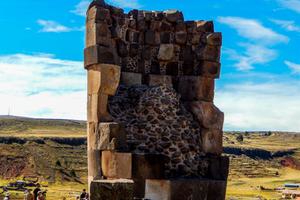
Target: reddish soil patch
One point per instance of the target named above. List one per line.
(11, 167)
(290, 162)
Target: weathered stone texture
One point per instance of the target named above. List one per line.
(116, 165)
(156, 122)
(151, 78)
(185, 189)
(118, 189)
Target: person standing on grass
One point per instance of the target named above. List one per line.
(40, 196)
(83, 195)
(36, 191)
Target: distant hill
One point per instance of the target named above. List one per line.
(31, 127)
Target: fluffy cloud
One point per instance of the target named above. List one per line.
(291, 4)
(287, 25)
(52, 26)
(293, 66)
(253, 30)
(259, 48)
(42, 86)
(253, 55)
(261, 106)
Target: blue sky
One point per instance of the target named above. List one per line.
(41, 72)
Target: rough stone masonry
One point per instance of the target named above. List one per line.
(153, 129)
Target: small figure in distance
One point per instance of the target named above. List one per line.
(84, 195)
(36, 191)
(40, 196)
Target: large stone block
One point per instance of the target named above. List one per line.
(118, 189)
(213, 39)
(94, 154)
(110, 136)
(148, 166)
(193, 88)
(130, 79)
(154, 80)
(181, 37)
(212, 141)
(103, 78)
(166, 52)
(208, 52)
(98, 54)
(116, 164)
(97, 33)
(97, 108)
(152, 37)
(218, 167)
(173, 16)
(209, 69)
(185, 189)
(207, 114)
(173, 69)
(97, 13)
(205, 26)
(166, 37)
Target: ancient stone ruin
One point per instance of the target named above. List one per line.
(153, 129)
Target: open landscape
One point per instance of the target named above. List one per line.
(54, 151)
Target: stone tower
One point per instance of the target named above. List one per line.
(153, 129)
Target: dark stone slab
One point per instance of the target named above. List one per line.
(208, 52)
(118, 189)
(98, 54)
(173, 16)
(172, 69)
(209, 69)
(218, 168)
(192, 88)
(185, 189)
(148, 166)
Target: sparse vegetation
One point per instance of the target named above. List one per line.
(57, 155)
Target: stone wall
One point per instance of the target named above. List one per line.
(151, 79)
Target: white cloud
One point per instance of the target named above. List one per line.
(253, 30)
(258, 49)
(293, 66)
(52, 26)
(261, 106)
(42, 86)
(291, 4)
(287, 25)
(81, 8)
(126, 3)
(49, 26)
(252, 55)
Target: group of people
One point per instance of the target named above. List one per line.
(38, 194)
